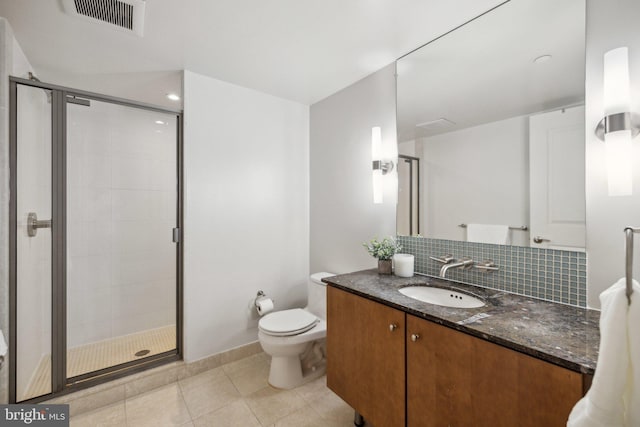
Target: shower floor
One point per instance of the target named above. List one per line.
(103, 354)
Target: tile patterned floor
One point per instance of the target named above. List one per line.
(232, 395)
(103, 354)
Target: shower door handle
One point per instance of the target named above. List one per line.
(33, 224)
(539, 239)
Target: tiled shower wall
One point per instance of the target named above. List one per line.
(553, 275)
(122, 181)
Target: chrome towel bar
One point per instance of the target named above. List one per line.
(628, 232)
(522, 227)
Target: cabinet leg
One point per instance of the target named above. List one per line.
(358, 420)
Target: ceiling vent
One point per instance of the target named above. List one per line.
(125, 15)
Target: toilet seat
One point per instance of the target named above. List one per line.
(287, 322)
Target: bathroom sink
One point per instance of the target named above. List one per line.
(440, 296)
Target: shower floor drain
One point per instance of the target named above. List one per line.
(142, 353)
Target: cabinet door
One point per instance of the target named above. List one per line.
(442, 388)
(454, 379)
(546, 392)
(366, 357)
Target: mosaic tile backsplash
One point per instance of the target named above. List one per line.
(548, 274)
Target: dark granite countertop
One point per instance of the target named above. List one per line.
(560, 334)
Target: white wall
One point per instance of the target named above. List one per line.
(408, 148)
(343, 214)
(122, 198)
(246, 210)
(476, 175)
(610, 24)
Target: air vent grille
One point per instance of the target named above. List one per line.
(112, 11)
(122, 15)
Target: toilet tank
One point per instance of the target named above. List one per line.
(317, 291)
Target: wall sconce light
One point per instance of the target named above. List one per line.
(383, 157)
(618, 126)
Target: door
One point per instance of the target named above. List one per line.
(95, 251)
(556, 170)
(122, 194)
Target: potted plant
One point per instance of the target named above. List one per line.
(383, 251)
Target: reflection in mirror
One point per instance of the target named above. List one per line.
(494, 111)
(408, 210)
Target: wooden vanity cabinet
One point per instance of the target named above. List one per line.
(366, 357)
(451, 378)
(455, 379)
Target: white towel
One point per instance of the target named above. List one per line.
(632, 399)
(488, 233)
(604, 403)
(3, 345)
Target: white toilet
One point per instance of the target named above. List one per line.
(295, 339)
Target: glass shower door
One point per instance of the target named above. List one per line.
(94, 271)
(32, 184)
(122, 198)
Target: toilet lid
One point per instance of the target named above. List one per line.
(289, 322)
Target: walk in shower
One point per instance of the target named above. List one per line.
(95, 238)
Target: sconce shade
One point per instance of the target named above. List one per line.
(376, 143)
(376, 156)
(616, 81)
(377, 186)
(617, 137)
(618, 155)
(385, 176)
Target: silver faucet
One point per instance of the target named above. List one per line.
(449, 263)
(465, 262)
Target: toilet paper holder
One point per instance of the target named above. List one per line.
(260, 295)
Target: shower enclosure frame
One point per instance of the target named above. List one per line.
(60, 384)
(411, 160)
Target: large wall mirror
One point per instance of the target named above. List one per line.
(491, 117)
